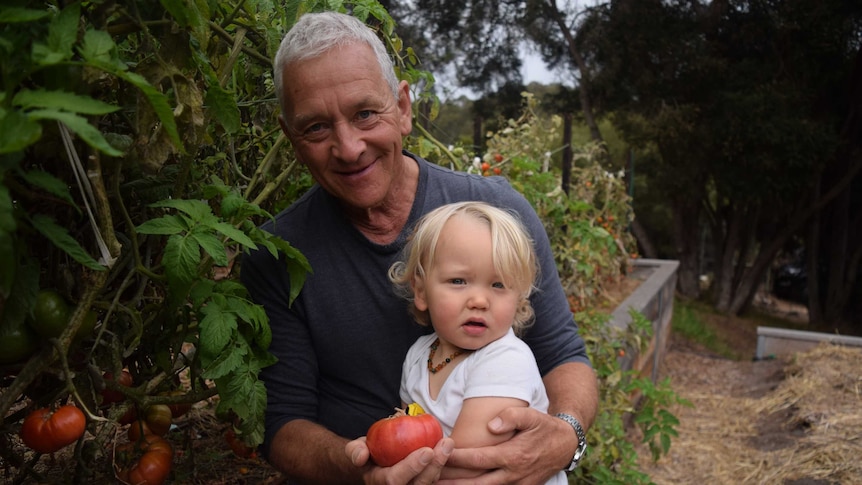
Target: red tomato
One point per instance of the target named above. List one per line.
(154, 465)
(139, 428)
(177, 410)
(498, 158)
(485, 166)
(110, 396)
(391, 439)
(46, 432)
(239, 448)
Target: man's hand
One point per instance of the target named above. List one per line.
(541, 447)
(421, 467)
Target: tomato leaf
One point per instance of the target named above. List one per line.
(197, 210)
(60, 237)
(49, 183)
(18, 130)
(217, 328)
(181, 258)
(20, 15)
(165, 225)
(63, 101)
(224, 108)
(89, 133)
(234, 233)
(212, 245)
(226, 364)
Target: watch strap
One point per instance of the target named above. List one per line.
(582, 439)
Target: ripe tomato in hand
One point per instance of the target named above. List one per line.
(391, 439)
(46, 432)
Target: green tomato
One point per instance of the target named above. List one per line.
(17, 341)
(50, 314)
(87, 326)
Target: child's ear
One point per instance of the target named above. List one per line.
(419, 299)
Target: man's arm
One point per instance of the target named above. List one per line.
(544, 444)
(573, 389)
(309, 453)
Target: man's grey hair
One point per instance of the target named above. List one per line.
(314, 34)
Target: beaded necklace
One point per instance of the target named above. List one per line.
(431, 368)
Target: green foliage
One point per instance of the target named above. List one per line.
(625, 397)
(146, 134)
(587, 222)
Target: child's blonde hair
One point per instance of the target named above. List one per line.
(511, 245)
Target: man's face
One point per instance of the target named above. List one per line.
(345, 125)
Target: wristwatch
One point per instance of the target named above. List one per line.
(582, 439)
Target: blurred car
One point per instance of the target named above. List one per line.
(791, 281)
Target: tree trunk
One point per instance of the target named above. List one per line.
(567, 152)
(685, 231)
(578, 59)
(837, 291)
(478, 139)
(647, 248)
(724, 278)
(812, 250)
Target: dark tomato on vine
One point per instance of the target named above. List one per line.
(17, 341)
(110, 396)
(46, 431)
(159, 418)
(156, 422)
(238, 447)
(50, 314)
(139, 429)
(177, 410)
(154, 464)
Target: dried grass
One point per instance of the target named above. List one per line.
(806, 429)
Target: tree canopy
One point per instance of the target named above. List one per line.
(742, 117)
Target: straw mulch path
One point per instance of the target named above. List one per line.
(795, 421)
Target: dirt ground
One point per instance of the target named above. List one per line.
(757, 421)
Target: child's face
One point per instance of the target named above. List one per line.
(465, 296)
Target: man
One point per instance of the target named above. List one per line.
(341, 344)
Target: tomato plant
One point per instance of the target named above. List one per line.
(391, 439)
(154, 464)
(46, 431)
